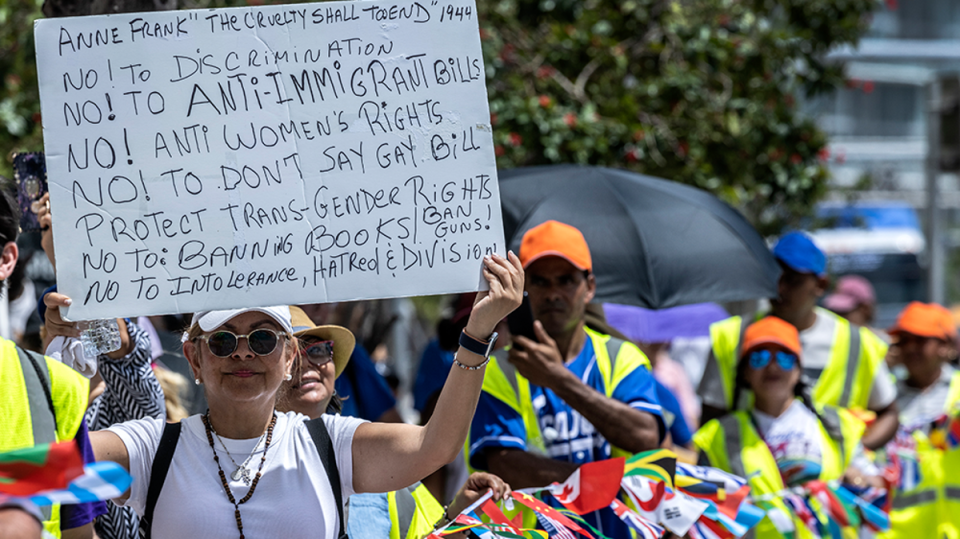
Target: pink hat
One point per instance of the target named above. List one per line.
(851, 292)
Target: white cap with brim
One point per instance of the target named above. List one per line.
(211, 320)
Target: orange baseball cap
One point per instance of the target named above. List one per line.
(925, 320)
(554, 238)
(771, 330)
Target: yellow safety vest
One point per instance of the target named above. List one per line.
(25, 408)
(932, 509)
(733, 444)
(502, 382)
(413, 512)
(846, 381)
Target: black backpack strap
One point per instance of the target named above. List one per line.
(158, 474)
(321, 438)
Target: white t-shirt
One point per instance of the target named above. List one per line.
(794, 440)
(293, 497)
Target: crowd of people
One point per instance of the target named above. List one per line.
(270, 421)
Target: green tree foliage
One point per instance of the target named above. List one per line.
(19, 96)
(698, 91)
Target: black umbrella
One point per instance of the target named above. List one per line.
(654, 243)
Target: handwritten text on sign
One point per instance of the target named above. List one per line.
(259, 156)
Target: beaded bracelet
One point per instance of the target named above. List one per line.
(469, 368)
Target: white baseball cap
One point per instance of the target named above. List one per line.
(211, 320)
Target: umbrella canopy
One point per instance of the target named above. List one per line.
(654, 243)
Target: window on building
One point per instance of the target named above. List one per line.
(870, 110)
(917, 19)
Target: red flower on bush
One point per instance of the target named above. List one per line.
(545, 101)
(545, 71)
(515, 139)
(570, 119)
(498, 150)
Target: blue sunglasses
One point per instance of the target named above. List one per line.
(761, 358)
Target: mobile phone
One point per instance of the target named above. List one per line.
(30, 171)
(520, 321)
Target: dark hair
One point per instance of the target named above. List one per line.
(801, 390)
(9, 217)
(335, 406)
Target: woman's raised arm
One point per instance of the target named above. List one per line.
(392, 456)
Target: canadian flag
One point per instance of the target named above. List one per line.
(591, 487)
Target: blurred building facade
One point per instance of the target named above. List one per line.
(881, 129)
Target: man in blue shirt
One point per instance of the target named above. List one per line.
(571, 396)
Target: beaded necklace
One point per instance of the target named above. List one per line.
(223, 477)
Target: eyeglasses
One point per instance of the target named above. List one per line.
(318, 353)
(261, 342)
(761, 358)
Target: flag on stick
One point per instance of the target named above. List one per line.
(27, 471)
(643, 527)
(591, 487)
(544, 509)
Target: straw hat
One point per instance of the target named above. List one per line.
(343, 339)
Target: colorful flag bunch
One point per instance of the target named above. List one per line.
(726, 514)
(649, 484)
(704, 502)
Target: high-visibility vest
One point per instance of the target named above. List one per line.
(733, 444)
(846, 381)
(932, 508)
(504, 383)
(413, 512)
(25, 383)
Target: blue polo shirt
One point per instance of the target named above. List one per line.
(364, 392)
(567, 435)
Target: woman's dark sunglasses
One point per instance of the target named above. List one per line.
(761, 358)
(318, 353)
(260, 341)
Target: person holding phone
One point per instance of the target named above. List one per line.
(569, 396)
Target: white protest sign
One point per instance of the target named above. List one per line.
(267, 155)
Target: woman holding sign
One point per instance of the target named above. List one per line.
(243, 469)
(782, 441)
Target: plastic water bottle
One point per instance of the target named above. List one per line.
(99, 336)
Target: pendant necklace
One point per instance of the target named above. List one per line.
(241, 472)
